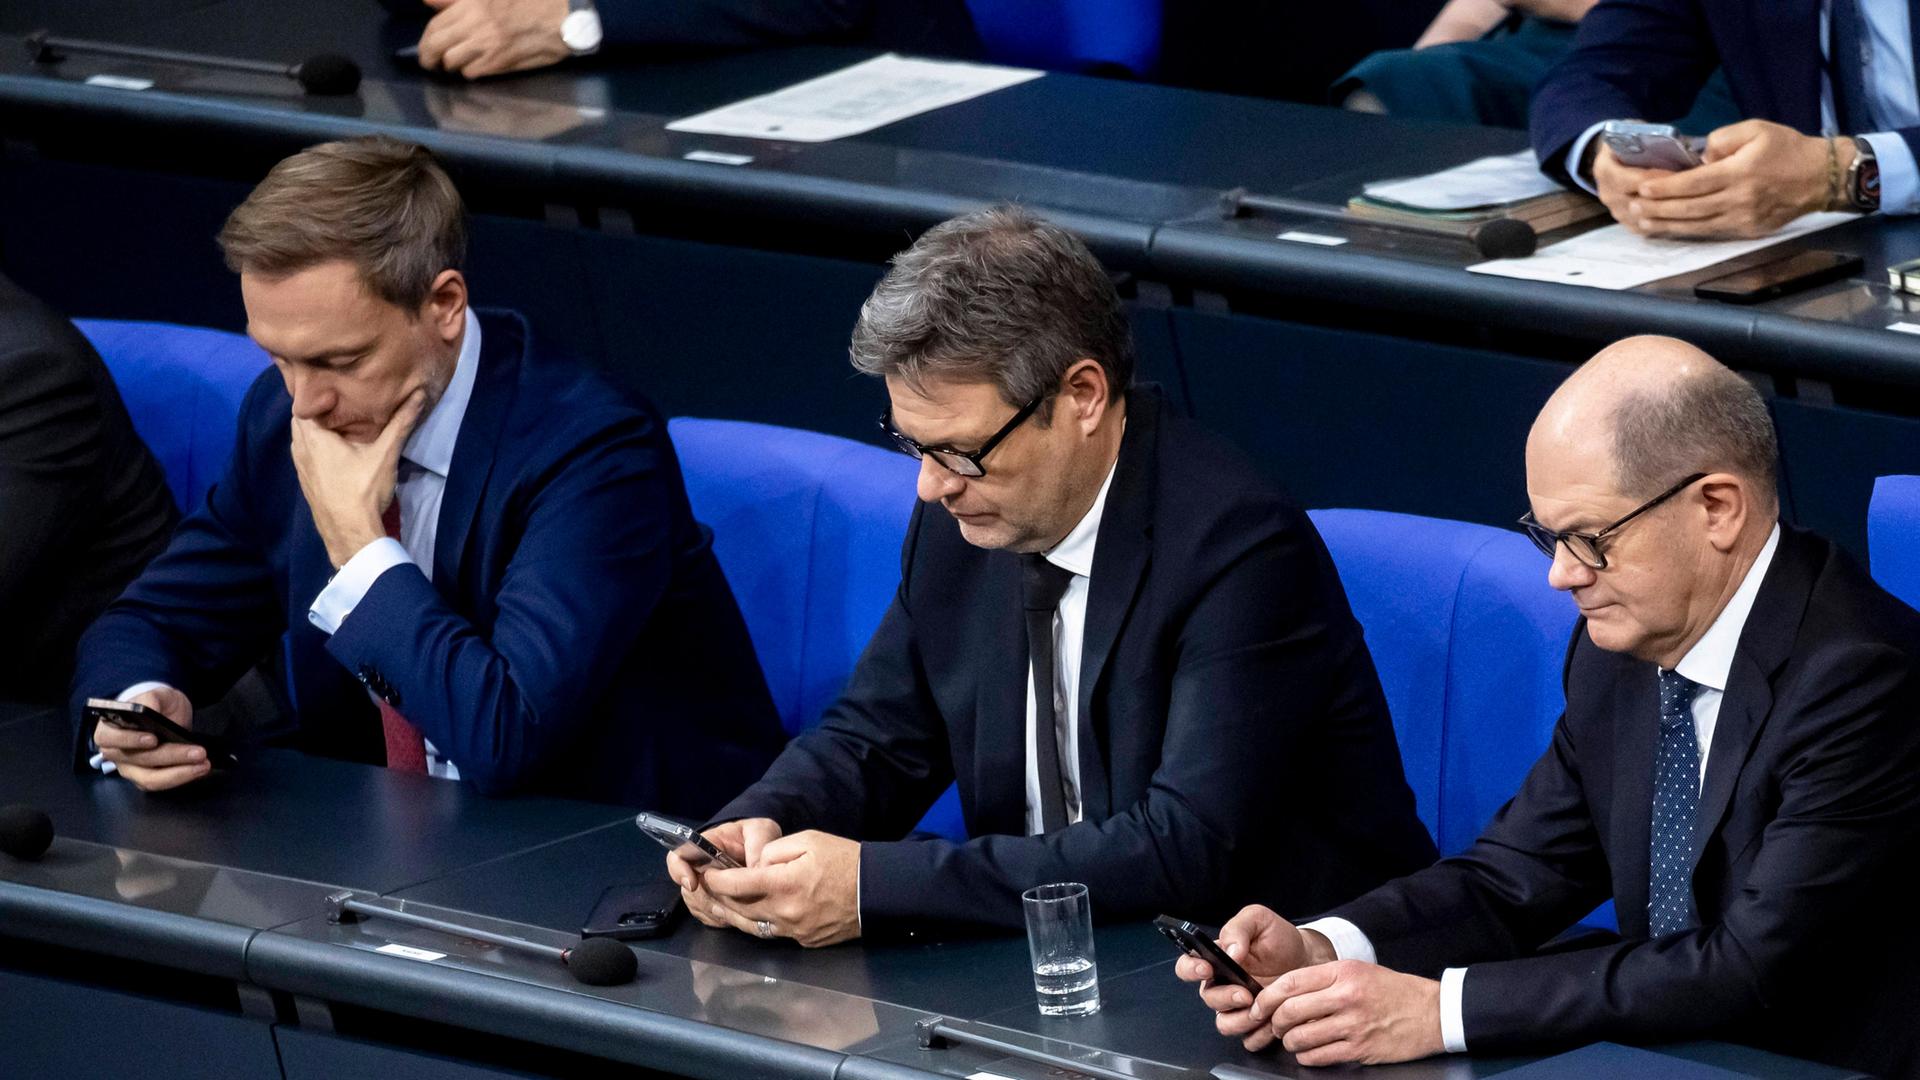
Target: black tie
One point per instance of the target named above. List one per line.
(1044, 584)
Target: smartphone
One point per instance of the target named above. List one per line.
(635, 912)
(1780, 277)
(1195, 943)
(131, 716)
(693, 847)
(1652, 146)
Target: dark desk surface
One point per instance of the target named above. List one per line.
(231, 880)
(1136, 169)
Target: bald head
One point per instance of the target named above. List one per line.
(1656, 409)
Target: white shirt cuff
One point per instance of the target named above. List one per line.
(1899, 176)
(1578, 152)
(99, 760)
(1349, 941)
(350, 585)
(1453, 1029)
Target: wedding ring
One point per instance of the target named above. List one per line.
(764, 928)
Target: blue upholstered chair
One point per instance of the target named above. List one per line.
(183, 386)
(1893, 536)
(808, 528)
(1071, 35)
(1469, 641)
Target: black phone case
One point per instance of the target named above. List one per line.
(155, 723)
(1187, 937)
(635, 912)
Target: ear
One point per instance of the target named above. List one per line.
(1728, 503)
(446, 306)
(1083, 395)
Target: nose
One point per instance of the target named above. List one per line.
(1568, 573)
(313, 395)
(937, 482)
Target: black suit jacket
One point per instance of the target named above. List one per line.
(576, 636)
(1234, 741)
(83, 504)
(1810, 813)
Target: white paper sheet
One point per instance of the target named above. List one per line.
(1489, 181)
(1614, 258)
(855, 99)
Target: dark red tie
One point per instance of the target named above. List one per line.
(406, 750)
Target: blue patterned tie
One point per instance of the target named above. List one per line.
(1676, 803)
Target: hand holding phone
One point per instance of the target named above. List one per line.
(103, 715)
(696, 850)
(1652, 146)
(1195, 943)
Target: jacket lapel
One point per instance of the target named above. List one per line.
(1636, 736)
(1765, 643)
(503, 337)
(1000, 758)
(1120, 560)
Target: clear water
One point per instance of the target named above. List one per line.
(1067, 987)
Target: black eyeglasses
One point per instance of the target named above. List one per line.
(960, 462)
(1590, 548)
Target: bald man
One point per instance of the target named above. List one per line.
(1738, 769)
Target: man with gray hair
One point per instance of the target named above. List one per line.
(1738, 769)
(1131, 652)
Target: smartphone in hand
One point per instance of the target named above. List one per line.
(697, 850)
(131, 716)
(1195, 943)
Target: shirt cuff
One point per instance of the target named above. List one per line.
(1578, 152)
(1349, 941)
(350, 585)
(98, 760)
(1453, 1032)
(1899, 176)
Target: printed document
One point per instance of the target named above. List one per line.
(1489, 181)
(855, 100)
(1615, 258)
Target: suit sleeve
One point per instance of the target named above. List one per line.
(205, 609)
(1255, 663)
(594, 557)
(879, 757)
(731, 23)
(1536, 869)
(1848, 822)
(1632, 59)
(49, 455)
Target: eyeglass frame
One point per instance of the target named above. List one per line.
(919, 451)
(1594, 541)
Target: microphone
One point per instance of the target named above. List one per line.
(1500, 238)
(327, 74)
(25, 832)
(596, 961)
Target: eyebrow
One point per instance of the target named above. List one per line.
(325, 355)
(968, 445)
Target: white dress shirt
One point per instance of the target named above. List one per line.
(425, 460)
(1074, 553)
(1893, 98)
(1708, 663)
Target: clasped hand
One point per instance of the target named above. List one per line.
(1757, 176)
(803, 886)
(1322, 1010)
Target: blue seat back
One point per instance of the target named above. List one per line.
(1893, 536)
(183, 386)
(808, 528)
(1469, 641)
(1070, 35)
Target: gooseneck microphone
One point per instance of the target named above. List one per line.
(25, 833)
(1501, 238)
(596, 961)
(327, 74)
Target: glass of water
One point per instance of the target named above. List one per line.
(1060, 937)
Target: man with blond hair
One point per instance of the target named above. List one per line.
(483, 561)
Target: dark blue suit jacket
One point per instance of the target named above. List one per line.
(1809, 815)
(1234, 741)
(1647, 59)
(577, 635)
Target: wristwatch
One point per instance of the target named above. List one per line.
(1863, 177)
(580, 30)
